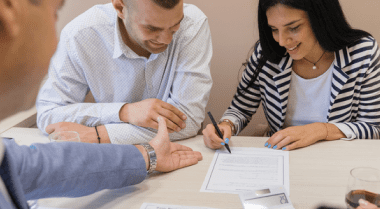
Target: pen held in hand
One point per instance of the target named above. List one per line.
(218, 130)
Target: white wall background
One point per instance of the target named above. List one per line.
(234, 31)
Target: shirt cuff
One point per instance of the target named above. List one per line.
(350, 135)
(110, 114)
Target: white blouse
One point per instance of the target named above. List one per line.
(309, 101)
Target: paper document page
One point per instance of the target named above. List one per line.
(161, 206)
(247, 169)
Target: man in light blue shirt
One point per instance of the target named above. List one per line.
(140, 59)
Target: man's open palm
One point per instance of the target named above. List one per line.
(171, 156)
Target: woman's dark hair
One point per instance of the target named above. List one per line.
(328, 23)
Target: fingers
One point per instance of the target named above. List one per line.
(177, 123)
(283, 144)
(278, 137)
(50, 128)
(179, 147)
(211, 139)
(162, 128)
(174, 110)
(188, 158)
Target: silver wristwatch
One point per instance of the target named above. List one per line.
(152, 157)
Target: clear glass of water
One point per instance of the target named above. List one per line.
(363, 183)
(64, 136)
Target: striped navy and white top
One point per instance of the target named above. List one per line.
(354, 99)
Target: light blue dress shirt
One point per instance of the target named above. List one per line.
(91, 56)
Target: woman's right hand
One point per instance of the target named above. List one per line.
(211, 138)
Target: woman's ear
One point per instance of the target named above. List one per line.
(120, 8)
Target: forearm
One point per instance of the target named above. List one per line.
(124, 133)
(332, 132)
(89, 114)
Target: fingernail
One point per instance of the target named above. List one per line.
(363, 202)
(222, 143)
(284, 148)
(178, 129)
(275, 147)
(266, 144)
(269, 146)
(158, 119)
(184, 117)
(227, 140)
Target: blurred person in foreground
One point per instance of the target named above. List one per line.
(28, 40)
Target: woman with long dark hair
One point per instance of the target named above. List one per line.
(316, 77)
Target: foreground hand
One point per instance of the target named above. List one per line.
(86, 134)
(211, 138)
(171, 156)
(366, 205)
(146, 112)
(297, 136)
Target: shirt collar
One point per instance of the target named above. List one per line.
(118, 41)
(120, 47)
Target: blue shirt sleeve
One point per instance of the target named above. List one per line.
(73, 169)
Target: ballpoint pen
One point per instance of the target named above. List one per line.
(218, 130)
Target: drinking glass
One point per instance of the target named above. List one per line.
(64, 136)
(363, 183)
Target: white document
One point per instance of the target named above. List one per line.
(161, 206)
(247, 169)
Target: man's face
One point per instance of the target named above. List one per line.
(151, 26)
(27, 53)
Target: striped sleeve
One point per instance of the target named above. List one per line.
(366, 115)
(244, 105)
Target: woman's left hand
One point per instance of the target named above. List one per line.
(297, 136)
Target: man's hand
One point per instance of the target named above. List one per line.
(146, 112)
(171, 156)
(86, 134)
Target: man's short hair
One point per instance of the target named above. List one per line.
(168, 4)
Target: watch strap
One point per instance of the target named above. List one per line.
(152, 157)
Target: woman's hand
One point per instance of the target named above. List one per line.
(298, 136)
(211, 138)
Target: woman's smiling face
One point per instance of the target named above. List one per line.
(291, 28)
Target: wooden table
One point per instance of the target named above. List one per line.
(318, 174)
